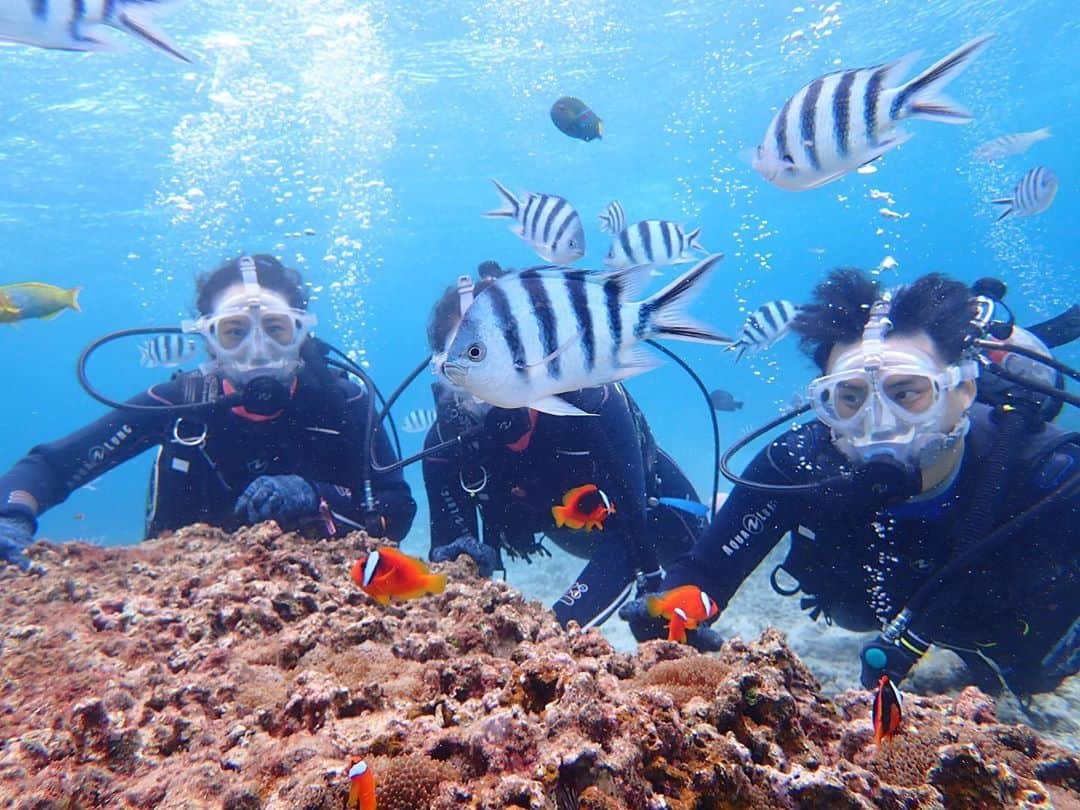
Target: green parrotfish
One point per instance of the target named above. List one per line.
(33, 299)
(574, 118)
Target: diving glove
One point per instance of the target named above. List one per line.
(486, 557)
(16, 533)
(284, 498)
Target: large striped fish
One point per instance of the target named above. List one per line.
(1032, 195)
(65, 24)
(546, 223)
(844, 120)
(764, 327)
(653, 243)
(539, 333)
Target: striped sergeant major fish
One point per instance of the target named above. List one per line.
(1015, 143)
(1032, 195)
(64, 24)
(546, 223)
(419, 421)
(653, 243)
(613, 218)
(546, 331)
(844, 120)
(764, 327)
(166, 351)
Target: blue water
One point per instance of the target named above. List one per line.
(357, 142)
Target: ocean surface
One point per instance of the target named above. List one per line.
(357, 142)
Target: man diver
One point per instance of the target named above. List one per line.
(278, 435)
(622, 502)
(912, 508)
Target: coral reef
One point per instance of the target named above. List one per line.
(244, 671)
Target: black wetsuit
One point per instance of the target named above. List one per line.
(515, 490)
(317, 436)
(858, 566)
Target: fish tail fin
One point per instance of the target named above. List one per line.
(139, 22)
(664, 314)
(693, 242)
(436, 583)
(144, 357)
(1008, 203)
(652, 604)
(559, 513)
(512, 203)
(1043, 133)
(73, 298)
(922, 97)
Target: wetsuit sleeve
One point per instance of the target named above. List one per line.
(741, 535)
(50, 472)
(605, 583)
(453, 512)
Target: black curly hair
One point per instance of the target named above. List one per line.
(934, 303)
(447, 310)
(271, 273)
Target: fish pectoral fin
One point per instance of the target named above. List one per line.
(543, 361)
(557, 406)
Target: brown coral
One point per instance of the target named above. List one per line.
(409, 782)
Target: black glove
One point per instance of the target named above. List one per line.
(485, 556)
(16, 533)
(645, 627)
(284, 498)
(884, 657)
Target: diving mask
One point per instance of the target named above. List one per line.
(254, 333)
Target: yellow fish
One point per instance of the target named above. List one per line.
(33, 299)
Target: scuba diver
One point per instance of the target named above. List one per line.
(912, 509)
(264, 430)
(597, 487)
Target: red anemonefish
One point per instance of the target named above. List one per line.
(585, 507)
(684, 607)
(887, 710)
(361, 786)
(388, 573)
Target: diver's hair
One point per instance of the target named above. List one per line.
(934, 304)
(271, 273)
(447, 310)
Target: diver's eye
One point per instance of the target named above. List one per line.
(475, 352)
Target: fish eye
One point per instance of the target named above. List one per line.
(475, 352)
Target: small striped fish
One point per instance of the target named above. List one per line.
(1032, 195)
(613, 219)
(542, 332)
(1015, 143)
(166, 351)
(653, 243)
(844, 120)
(546, 223)
(764, 327)
(419, 421)
(63, 24)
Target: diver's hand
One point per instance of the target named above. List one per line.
(284, 498)
(16, 533)
(485, 556)
(884, 657)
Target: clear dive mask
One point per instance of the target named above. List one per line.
(891, 401)
(252, 334)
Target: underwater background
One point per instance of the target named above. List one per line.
(357, 141)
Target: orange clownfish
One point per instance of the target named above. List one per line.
(585, 507)
(388, 573)
(887, 710)
(683, 607)
(361, 786)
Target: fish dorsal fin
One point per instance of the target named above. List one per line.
(543, 361)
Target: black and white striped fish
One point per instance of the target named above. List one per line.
(539, 333)
(1015, 143)
(166, 351)
(653, 243)
(419, 421)
(1032, 195)
(764, 327)
(546, 223)
(844, 120)
(613, 218)
(64, 24)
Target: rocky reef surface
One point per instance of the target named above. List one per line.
(244, 671)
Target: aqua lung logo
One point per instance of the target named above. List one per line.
(753, 524)
(97, 454)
